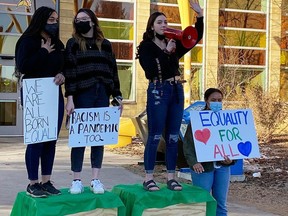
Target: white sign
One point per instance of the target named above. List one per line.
(40, 110)
(225, 133)
(94, 126)
(198, 105)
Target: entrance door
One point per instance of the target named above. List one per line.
(15, 15)
(11, 120)
(14, 21)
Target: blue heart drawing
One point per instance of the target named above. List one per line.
(245, 148)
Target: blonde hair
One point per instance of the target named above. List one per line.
(98, 35)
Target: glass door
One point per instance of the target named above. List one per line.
(11, 120)
(15, 16)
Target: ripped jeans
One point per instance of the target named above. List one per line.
(165, 104)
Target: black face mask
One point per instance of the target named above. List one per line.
(160, 37)
(83, 27)
(52, 29)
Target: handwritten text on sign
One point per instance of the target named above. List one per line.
(40, 106)
(225, 133)
(94, 126)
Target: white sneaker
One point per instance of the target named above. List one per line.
(97, 187)
(76, 187)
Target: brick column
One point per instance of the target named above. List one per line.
(142, 12)
(274, 49)
(211, 48)
(66, 17)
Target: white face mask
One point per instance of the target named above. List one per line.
(215, 106)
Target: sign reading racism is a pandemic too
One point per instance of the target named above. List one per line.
(225, 133)
(94, 126)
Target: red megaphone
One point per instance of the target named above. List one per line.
(188, 36)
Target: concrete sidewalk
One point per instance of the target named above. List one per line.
(13, 176)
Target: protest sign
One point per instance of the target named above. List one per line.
(225, 133)
(94, 126)
(198, 105)
(40, 110)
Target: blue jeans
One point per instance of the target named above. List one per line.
(95, 96)
(44, 151)
(217, 182)
(165, 103)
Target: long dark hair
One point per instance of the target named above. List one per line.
(210, 91)
(98, 35)
(38, 21)
(36, 26)
(149, 33)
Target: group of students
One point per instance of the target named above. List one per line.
(88, 68)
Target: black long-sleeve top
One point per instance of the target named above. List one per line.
(85, 68)
(169, 63)
(34, 61)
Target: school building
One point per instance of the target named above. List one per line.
(244, 44)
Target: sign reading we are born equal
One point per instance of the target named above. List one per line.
(40, 109)
(225, 133)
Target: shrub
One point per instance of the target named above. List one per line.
(270, 113)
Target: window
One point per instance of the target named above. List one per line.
(195, 83)
(240, 56)
(15, 16)
(8, 83)
(165, 1)
(284, 84)
(242, 38)
(242, 45)
(171, 12)
(234, 80)
(116, 19)
(8, 110)
(242, 20)
(255, 5)
(117, 30)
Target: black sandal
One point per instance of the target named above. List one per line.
(150, 184)
(172, 184)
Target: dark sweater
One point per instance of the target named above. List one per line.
(34, 61)
(149, 51)
(84, 69)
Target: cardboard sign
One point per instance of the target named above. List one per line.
(40, 110)
(94, 127)
(225, 133)
(198, 105)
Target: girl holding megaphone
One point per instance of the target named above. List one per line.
(159, 54)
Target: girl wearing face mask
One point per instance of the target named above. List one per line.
(211, 176)
(39, 53)
(159, 58)
(91, 78)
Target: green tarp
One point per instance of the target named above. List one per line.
(131, 200)
(65, 203)
(136, 199)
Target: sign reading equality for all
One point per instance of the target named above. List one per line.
(225, 133)
(94, 127)
(40, 110)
